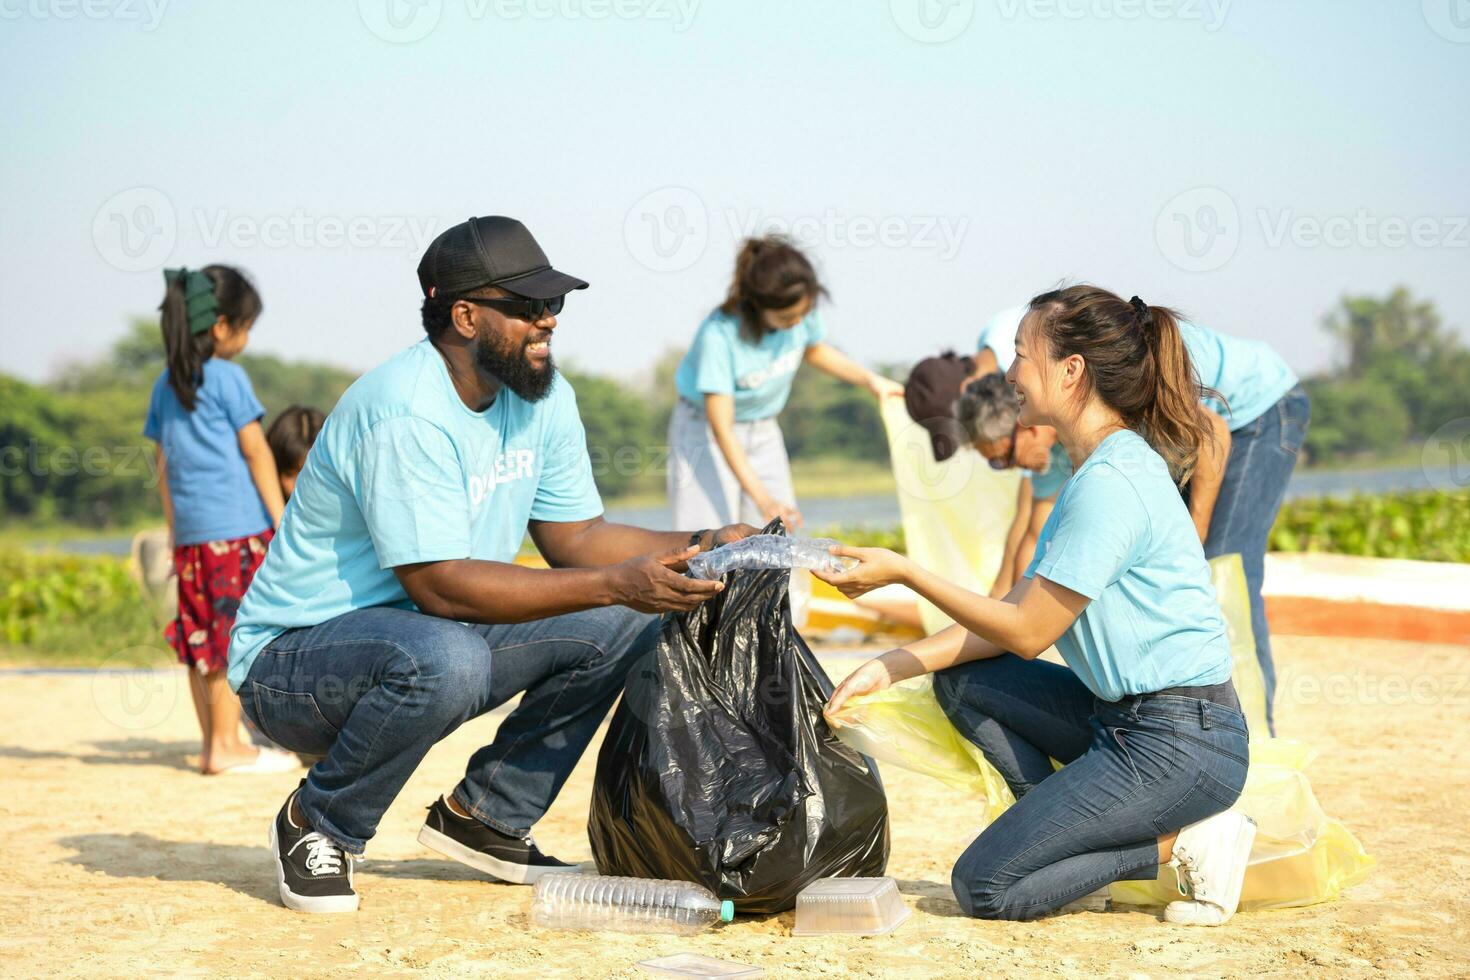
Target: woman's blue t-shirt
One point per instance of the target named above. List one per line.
(213, 496)
(722, 362)
(1121, 535)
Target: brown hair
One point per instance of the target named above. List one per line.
(291, 436)
(1136, 363)
(770, 274)
(235, 299)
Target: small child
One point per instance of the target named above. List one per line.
(290, 438)
(221, 495)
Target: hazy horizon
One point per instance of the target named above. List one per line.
(943, 159)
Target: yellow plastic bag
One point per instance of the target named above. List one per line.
(955, 514)
(1301, 856)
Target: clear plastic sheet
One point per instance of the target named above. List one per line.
(1301, 855)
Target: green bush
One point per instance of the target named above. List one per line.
(1426, 525)
(75, 607)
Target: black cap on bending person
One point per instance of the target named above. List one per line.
(930, 394)
(491, 251)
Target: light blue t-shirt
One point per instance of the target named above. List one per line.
(1046, 485)
(722, 362)
(999, 334)
(404, 472)
(214, 497)
(1121, 535)
(1250, 375)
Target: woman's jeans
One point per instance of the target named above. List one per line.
(1135, 770)
(374, 689)
(1262, 457)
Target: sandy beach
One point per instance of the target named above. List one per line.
(124, 861)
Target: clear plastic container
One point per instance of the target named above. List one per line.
(695, 965)
(855, 906)
(596, 902)
(768, 551)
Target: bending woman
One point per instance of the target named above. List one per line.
(1144, 715)
(728, 455)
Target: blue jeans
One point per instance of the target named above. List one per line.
(1135, 770)
(374, 689)
(1262, 457)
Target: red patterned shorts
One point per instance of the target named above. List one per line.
(213, 577)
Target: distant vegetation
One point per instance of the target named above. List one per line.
(71, 451)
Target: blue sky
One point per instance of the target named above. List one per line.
(1249, 162)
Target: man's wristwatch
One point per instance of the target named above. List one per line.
(697, 538)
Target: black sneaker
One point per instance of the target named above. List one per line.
(516, 860)
(315, 874)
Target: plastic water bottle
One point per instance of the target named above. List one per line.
(590, 902)
(767, 551)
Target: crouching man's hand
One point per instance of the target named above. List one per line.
(654, 583)
(726, 534)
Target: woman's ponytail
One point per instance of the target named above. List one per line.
(1172, 420)
(1137, 364)
(193, 300)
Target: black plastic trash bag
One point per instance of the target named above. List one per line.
(719, 767)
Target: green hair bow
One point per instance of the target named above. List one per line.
(199, 301)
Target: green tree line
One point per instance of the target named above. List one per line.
(72, 450)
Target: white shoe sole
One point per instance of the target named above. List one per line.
(1192, 913)
(306, 903)
(511, 874)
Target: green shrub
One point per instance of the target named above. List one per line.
(75, 607)
(1426, 525)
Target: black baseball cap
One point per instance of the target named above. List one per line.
(491, 251)
(930, 394)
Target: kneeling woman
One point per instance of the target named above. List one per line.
(1144, 715)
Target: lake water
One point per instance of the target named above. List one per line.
(881, 510)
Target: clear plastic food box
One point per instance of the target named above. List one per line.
(855, 906)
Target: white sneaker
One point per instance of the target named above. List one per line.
(1098, 901)
(1210, 858)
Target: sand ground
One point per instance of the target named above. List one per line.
(123, 861)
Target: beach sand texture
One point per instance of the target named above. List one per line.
(123, 861)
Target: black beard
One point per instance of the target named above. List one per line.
(512, 368)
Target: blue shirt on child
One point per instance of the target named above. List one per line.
(214, 497)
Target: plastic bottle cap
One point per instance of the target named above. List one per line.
(727, 911)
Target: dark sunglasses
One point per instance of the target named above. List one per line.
(522, 308)
(1010, 459)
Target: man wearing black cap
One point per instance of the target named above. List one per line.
(388, 610)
